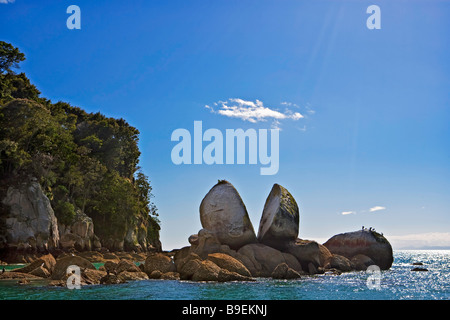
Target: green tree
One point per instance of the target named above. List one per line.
(10, 57)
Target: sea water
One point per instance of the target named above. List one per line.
(397, 283)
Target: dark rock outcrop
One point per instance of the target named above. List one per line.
(159, 262)
(341, 263)
(361, 262)
(369, 243)
(30, 223)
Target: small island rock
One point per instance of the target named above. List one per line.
(366, 242)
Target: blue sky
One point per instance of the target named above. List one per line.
(375, 103)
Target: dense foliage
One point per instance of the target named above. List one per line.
(83, 161)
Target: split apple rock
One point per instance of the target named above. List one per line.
(280, 218)
(223, 213)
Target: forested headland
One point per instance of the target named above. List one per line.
(86, 164)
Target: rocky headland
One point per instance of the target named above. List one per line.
(30, 229)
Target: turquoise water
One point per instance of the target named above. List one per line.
(395, 284)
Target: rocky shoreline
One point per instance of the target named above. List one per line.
(226, 249)
(29, 229)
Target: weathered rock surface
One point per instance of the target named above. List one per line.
(136, 237)
(30, 222)
(229, 263)
(113, 244)
(261, 260)
(341, 263)
(361, 262)
(60, 270)
(223, 213)
(11, 275)
(91, 276)
(92, 256)
(126, 276)
(282, 271)
(111, 279)
(110, 266)
(164, 276)
(280, 218)
(110, 256)
(79, 235)
(160, 262)
(40, 272)
(126, 265)
(47, 261)
(309, 252)
(368, 243)
(226, 275)
(204, 243)
(206, 271)
(188, 268)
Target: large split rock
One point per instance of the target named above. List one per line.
(365, 242)
(280, 218)
(223, 213)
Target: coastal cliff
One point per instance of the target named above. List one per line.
(69, 179)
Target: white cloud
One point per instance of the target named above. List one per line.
(252, 111)
(373, 209)
(377, 208)
(7, 1)
(289, 104)
(276, 124)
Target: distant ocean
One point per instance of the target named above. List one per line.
(398, 283)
